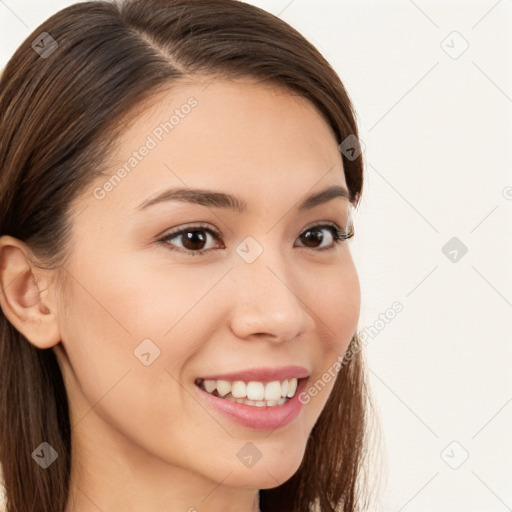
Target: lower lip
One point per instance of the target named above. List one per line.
(258, 418)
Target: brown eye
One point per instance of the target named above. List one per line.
(193, 239)
(314, 236)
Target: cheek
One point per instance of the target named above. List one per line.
(106, 376)
(337, 308)
(152, 296)
(121, 318)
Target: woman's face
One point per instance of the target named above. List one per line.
(144, 319)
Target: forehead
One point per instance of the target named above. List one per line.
(256, 139)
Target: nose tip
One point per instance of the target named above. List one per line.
(275, 330)
(268, 308)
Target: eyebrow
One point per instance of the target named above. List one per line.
(215, 199)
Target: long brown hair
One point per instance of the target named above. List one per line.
(62, 105)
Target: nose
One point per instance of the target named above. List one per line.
(266, 299)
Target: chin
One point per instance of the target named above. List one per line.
(266, 475)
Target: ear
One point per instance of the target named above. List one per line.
(23, 286)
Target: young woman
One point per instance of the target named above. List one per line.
(179, 302)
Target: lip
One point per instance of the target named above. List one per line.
(263, 374)
(257, 418)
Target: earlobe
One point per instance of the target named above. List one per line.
(21, 284)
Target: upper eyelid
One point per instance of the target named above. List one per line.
(206, 227)
(190, 227)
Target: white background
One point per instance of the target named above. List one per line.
(437, 132)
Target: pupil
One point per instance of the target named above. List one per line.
(317, 234)
(190, 237)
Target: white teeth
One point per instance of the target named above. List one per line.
(292, 387)
(273, 390)
(259, 403)
(223, 387)
(253, 391)
(239, 389)
(210, 385)
(284, 387)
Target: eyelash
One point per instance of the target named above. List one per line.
(339, 236)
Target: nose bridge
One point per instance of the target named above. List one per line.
(264, 298)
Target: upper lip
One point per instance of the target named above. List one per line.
(263, 374)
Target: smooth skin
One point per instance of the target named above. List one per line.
(142, 440)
